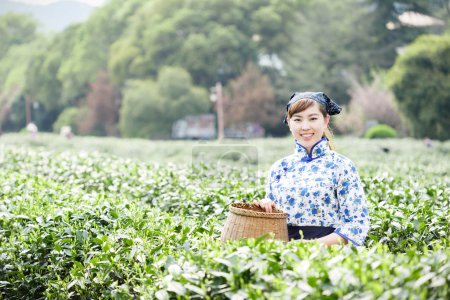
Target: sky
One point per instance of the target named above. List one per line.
(44, 2)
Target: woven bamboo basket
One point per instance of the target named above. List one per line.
(250, 221)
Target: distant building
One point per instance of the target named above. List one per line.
(415, 19)
(245, 131)
(203, 127)
(200, 127)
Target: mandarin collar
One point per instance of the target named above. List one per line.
(319, 149)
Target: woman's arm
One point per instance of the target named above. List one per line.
(268, 203)
(332, 239)
(354, 213)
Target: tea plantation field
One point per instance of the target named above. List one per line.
(95, 218)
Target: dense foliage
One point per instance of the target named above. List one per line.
(211, 40)
(90, 225)
(171, 97)
(426, 102)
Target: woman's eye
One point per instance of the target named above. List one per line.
(313, 119)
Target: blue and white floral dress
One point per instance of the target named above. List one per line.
(321, 189)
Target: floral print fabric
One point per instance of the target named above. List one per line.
(320, 189)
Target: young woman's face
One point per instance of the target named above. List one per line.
(308, 126)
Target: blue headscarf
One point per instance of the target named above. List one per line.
(331, 107)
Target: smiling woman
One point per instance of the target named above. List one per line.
(319, 189)
(308, 122)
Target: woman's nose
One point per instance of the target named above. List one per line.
(304, 125)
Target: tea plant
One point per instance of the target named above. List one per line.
(81, 225)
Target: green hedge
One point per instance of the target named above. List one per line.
(380, 131)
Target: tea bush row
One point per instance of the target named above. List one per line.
(405, 211)
(79, 225)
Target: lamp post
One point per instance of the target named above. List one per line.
(217, 97)
(220, 122)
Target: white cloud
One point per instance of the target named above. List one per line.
(45, 2)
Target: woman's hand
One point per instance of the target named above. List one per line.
(332, 239)
(265, 204)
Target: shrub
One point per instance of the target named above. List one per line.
(359, 111)
(380, 131)
(68, 117)
(149, 108)
(420, 81)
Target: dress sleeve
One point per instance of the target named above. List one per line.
(269, 181)
(354, 213)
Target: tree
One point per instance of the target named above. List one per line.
(6, 100)
(149, 108)
(136, 39)
(42, 79)
(389, 33)
(102, 108)
(90, 51)
(17, 45)
(250, 98)
(202, 37)
(60, 74)
(141, 108)
(420, 80)
(69, 117)
(337, 40)
(16, 29)
(328, 45)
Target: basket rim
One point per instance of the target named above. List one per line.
(257, 214)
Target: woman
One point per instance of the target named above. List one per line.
(319, 189)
